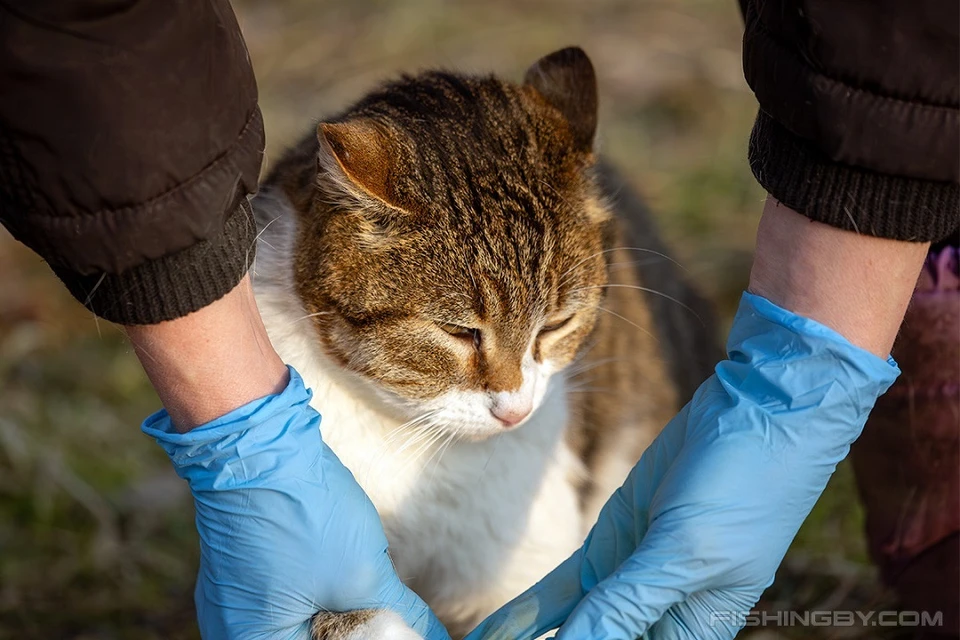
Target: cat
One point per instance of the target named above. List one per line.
(489, 322)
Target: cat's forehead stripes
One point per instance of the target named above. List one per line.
(457, 132)
(448, 199)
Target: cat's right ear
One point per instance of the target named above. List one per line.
(359, 156)
(567, 81)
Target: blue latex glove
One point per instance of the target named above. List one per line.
(285, 530)
(690, 541)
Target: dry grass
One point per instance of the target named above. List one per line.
(96, 537)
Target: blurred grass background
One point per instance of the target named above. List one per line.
(96, 534)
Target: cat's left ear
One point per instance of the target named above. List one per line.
(567, 81)
(360, 156)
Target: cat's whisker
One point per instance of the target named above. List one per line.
(439, 454)
(639, 288)
(556, 193)
(579, 362)
(420, 433)
(580, 384)
(309, 315)
(584, 352)
(622, 264)
(564, 276)
(412, 422)
(454, 437)
(437, 434)
(415, 441)
(421, 436)
(403, 432)
(411, 430)
(258, 237)
(593, 390)
(572, 372)
(261, 240)
(627, 320)
(493, 452)
(476, 289)
(409, 438)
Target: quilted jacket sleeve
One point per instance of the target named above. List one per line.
(130, 138)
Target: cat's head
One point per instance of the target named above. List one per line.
(453, 252)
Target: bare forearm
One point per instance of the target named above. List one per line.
(212, 361)
(855, 284)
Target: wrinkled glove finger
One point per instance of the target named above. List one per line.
(622, 523)
(707, 615)
(624, 605)
(541, 608)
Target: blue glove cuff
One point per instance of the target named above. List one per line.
(784, 363)
(754, 305)
(266, 437)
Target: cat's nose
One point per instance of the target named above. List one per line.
(512, 413)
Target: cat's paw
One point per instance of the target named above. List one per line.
(365, 624)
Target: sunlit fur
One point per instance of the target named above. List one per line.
(487, 225)
(436, 261)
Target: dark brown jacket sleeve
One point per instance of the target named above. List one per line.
(130, 138)
(858, 125)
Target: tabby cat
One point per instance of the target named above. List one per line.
(486, 317)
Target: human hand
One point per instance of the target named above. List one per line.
(690, 541)
(285, 530)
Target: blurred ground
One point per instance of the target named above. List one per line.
(96, 537)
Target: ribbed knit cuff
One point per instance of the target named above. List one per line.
(801, 177)
(174, 285)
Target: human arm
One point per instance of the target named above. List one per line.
(127, 168)
(696, 533)
(193, 361)
(857, 285)
(130, 140)
(858, 125)
(285, 530)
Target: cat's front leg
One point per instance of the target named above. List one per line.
(364, 624)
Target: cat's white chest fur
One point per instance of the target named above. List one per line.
(470, 524)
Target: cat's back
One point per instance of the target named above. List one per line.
(683, 320)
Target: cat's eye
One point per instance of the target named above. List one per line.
(556, 326)
(464, 333)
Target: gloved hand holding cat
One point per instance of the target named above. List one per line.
(687, 545)
(682, 550)
(265, 485)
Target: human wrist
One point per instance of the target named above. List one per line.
(210, 362)
(857, 285)
(773, 345)
(225, 452)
